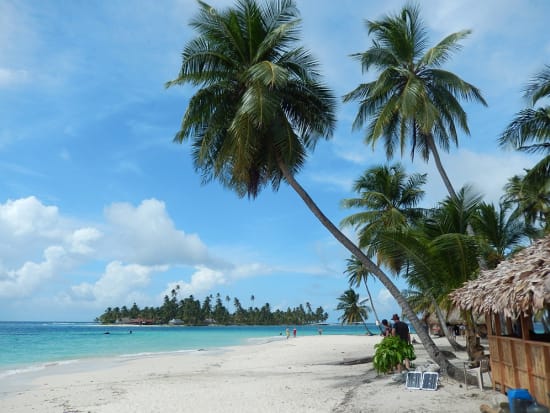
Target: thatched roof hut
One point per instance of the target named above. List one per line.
(509, 296)
(518, 285)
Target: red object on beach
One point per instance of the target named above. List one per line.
(294, 332)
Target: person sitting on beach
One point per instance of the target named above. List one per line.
(401, 330)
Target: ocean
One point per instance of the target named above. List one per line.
(31, 347)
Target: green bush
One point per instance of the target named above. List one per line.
(390, 352)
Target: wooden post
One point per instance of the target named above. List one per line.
(499, 371)
(526, 326)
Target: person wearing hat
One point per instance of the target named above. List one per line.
(401, 330)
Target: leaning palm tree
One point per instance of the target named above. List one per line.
(259, 108)
(356, 274)
(411, 99)
(530, 129)
(354, 311)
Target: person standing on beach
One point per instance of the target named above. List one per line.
(287, 333)
(294, 332)
(401, 330)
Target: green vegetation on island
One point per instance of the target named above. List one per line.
(190, 311)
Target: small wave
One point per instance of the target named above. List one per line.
(157, 353)
(35, 368)
(264, 340)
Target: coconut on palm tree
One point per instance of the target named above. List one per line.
(259, 108)
(412, 101)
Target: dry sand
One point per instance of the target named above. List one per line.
(301, 374)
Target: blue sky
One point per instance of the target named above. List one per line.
(99, 208)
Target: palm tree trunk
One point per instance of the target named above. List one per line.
(372, 305)
(443, 324)
(366, 326)
(440, 169)
(432, 350)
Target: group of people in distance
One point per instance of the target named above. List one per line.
(399, 329)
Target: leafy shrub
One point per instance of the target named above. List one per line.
(390, 352)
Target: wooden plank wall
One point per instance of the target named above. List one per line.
(520, 364)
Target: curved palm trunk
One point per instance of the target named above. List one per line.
(440, 169)
(372, 305)
(366, 327)
(432, 350)
(443, 324)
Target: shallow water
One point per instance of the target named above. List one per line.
(34, 346)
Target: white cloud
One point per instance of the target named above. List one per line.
(203, 280)
(38, 245)
(28, 215)
(146, 234)
(80, 239)
(487, 172)
(25, 280)
(115, 283)
(27, 229)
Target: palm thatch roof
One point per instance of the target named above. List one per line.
(518, 285)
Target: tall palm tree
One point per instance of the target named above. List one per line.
(354, 311)
(387, 198)
(259, 108)
(412, 98)
(530, 129)
(356, 274)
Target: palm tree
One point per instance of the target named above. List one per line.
(439, 252)
(499, 231)
(356, 274)
(387, 198)
(354, 311)
(260, 106)
(532, 201)
(530, 129)
(412, 98)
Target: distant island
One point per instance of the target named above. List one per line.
(190, 311)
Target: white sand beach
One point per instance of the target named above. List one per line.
(300, 374)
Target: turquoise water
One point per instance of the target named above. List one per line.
(32, 346)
